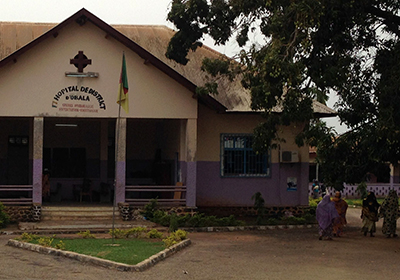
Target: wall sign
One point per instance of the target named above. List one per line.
(78, 99)
(291, 184)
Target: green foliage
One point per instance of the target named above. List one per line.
(308, 49)
(86, 234)
(362, 190)
(135, 232)
(150, 208)
(174, 238)
(46, 241)
(117, 233)
(27, 237)
(197, 220)
(173, 223)
(259, 205)
(313, 203)
(4, 218)
(272, 221)
(161, 217)
(153, 233)
(309, 218)
(294, 220)
(60, 245)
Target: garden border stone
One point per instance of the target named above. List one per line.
(243, 228)
(102, 262)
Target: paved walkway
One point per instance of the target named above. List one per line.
(273, 254)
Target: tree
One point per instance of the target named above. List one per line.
(310, 48)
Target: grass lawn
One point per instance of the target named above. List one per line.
(129, 251)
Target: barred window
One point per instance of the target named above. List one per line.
(238, 158)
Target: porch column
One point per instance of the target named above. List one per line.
(37, 159)
(191, 173)
(103, 150)
(120, 157)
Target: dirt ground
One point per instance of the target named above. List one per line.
(272, 254)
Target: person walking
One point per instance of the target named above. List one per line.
(369, 214)
(389, 211)
(341, 207)
(326, 213)
(315, 189)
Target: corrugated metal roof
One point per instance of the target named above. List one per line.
(154, 39)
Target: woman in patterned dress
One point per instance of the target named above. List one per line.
(390, 212)
(341, 207)
(369, 214)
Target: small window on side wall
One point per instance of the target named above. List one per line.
(238, 158)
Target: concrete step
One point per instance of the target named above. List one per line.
(77, 208)
(74, 225)
(78, 213)
(80, 218)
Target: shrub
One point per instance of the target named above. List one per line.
(259, 205)
(173, 223)
(46, 241)
(195, 220)
(313, 205)
(86, 234)
(175, 237)
(181, 234)
(154, 234)
(272, 221)
(309, 218)
(294, 220)
(117, 233)
(136, 232)
(60, 245)
(161, 217)
(27, 237)
(4, 218)
(150, 208)
(230, 221)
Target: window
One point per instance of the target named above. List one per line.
(239, 159)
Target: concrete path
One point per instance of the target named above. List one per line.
(285, 254)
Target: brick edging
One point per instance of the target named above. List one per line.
(243, 228)
(102, 262)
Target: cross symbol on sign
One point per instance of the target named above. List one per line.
(80, 61)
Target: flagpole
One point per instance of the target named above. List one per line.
(116, 163)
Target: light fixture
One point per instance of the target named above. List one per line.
(82, 75)
(66, 125)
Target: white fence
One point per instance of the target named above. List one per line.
(349, 191)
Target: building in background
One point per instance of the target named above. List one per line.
(58, 92)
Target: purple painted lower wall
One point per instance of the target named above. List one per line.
(214, 190)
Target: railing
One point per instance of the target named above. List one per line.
(166, 195)
(16, 194)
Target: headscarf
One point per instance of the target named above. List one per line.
(340, 205)
(371, 203)
(326, 212)
(338, 197)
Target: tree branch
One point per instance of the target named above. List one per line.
(391, 20)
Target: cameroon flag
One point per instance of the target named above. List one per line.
(123, 100)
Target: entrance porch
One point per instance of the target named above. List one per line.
(154, 159)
